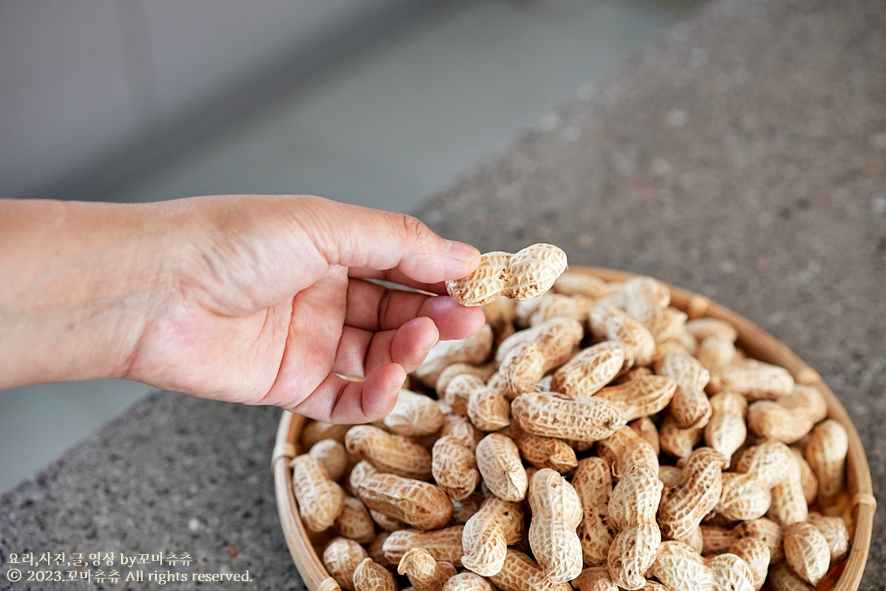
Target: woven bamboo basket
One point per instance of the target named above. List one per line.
(860, 503)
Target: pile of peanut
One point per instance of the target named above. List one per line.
(592, 438)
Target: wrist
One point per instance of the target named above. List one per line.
(76, 283)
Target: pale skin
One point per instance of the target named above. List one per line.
(251, 299)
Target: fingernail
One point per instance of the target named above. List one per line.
(464, 253)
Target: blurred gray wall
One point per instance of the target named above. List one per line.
(85, 83)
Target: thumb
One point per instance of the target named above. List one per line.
(354, 236)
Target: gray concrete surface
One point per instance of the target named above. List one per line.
(742, 155)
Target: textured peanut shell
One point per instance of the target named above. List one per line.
(684, 505)
(485, 284)
(443, 544)
(715, 352)
(782, 578)
(533, 270)
(640, 397)
(677, 566)
(489, 532)
(421, 505)
(753, 379)
(549, 415)
(646, 429)
(590, 370)
(645, 297)
(468, 581)
(594, 579)
(423, 571)
(456, 369)
(355, 523)
(807, 477)
(570, 283)
(690, 406)
(332, 456)
(550, 305)
(806, 551)
(454, 467)
(556, 513)
(766, 463)
(788, 497)
(521, 573)
(341, 557)
(414, 415)
(726, 431)
(632, 508)
(593, 484)
(743, 498)
(376, 551)
(826, 453)
(612, 324)
(678, 442)
(835, 533)
(488, 409)
(371, 576)
(474, 350)
(389, 453)
(320, 500)
(668, 325)
(315, 431)
(498, 460)
(466, 508)
(755, 553)
(711, 328)
(460, 427)
(624, 449)
(543, 452)
(522, 369)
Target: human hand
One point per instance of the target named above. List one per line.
(263, 300)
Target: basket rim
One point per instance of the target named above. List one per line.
(755, 341)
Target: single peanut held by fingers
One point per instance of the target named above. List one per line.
(556, 513)
(320, 500)
(521, 276)
(371, 576)
(341, 557)
(423, 571)
(489, 532)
